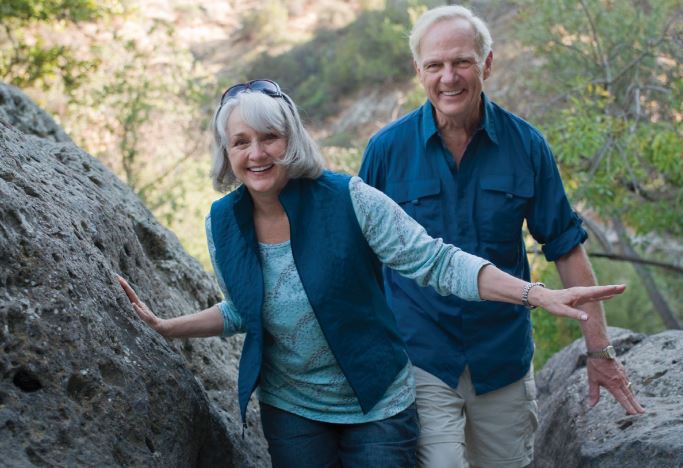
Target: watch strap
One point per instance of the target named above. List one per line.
(607, 352)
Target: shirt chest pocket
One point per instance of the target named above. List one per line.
(503, 203)
(420, 198)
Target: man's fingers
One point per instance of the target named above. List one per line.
(593, 394)
(622, 396)
(623, 393)
(634, 403)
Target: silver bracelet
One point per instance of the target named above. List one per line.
(525, 294)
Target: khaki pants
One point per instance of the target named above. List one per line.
(461, 429)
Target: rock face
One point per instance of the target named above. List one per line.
(570, 435)
(83, 382)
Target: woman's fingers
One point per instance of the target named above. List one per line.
(130, 292)
(605, 292)
(574, 313)
(565, 301)
(596, 293)
(145, 314)
(139, 307)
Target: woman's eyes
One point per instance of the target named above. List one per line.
(244, 142)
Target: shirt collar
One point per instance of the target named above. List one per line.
(429, 128)
(487, 122)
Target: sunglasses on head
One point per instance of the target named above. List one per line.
(268, 87)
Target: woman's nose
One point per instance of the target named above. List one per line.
(257, 150)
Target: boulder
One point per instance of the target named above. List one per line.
(21, 113)
(84, 382)
(571, 435)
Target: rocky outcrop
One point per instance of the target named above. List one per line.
(22, 114)
(571, 435)
(83, 382)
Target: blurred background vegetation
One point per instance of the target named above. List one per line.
(135, 84)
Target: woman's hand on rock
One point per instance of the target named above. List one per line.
(141, 308)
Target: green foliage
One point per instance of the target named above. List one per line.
(131, 98)
(322, 72)
(343, 159)
(616, 126)
(71, 10)
(267, 23)
(41, 65)
(28, 58)
(156, 112)
(611, 73)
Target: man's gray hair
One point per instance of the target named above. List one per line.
(482, 36)
(265, 114)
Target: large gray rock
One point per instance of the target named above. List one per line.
(21, 113)
(83, 382)
(571, 435)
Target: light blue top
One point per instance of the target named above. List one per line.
(299, 372)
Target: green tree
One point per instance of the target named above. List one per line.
(370, 51)
(129, 96)
(610, 83)
(613, 72)
(28, 57)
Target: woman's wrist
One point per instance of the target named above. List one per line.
(531, 294)
(163, 328)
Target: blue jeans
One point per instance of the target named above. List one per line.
(296, 442)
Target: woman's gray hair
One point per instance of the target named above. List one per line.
(482, 36)
(264, 114)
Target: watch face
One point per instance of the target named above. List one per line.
(610, 352)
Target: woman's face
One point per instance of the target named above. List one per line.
(252, 155)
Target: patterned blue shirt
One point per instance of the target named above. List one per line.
(299, 372)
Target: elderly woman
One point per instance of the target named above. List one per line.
(297, 251)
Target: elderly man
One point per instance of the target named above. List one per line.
(471, 172)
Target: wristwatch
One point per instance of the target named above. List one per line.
(605, 353)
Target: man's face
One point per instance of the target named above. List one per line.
(449, 71)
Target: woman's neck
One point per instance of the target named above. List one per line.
(267, 205)
(270, 220)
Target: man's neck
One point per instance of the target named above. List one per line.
(460, 126)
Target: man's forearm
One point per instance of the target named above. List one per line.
(575, 270)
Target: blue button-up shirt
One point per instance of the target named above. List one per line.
(507, 175)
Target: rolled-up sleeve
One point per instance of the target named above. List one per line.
(232, 320)
(403, 245)
(551, 219)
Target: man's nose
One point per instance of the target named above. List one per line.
(449, 75)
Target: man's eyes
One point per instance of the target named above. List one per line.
(464, 63)
(459, 63)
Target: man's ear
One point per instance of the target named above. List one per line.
(417, 68)
(487, 65)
